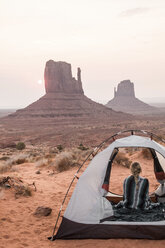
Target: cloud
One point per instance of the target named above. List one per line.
(133, 12)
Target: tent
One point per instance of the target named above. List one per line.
(88, 204)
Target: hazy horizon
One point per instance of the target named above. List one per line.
(150, 101)
(109, 40)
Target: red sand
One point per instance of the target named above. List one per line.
(20, 228)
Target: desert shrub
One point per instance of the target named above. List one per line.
(82, 147)
(18, 159)
(60, 148)
(20, 146)
(121, 159)
(44, 161)
(65, 160)
(41, 162)
(146, 154)
(4, 167)
(4, 158)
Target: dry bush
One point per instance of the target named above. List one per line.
(14, 160)
(80, 155)
(44, 161)
(122, 160)
(146, 154)
(82, 147)
(18, 159)
(4, 158)
(65, 160)
(4, 167)
(41, 162)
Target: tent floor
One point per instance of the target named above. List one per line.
(73, 230)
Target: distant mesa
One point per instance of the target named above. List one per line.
(65, 97)
(124, 100)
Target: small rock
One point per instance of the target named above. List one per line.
(38, 172)
(43, 211)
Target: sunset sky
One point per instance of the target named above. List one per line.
(110, 40)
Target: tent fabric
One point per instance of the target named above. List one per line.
(108, 171)
(160, 191)
(87, 204)
(159, 173)
(72, 230)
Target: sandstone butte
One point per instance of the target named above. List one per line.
(65, 98)
(124, 100)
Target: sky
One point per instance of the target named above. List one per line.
(110, 40)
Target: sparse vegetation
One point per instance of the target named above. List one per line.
(15, 159)
(18, 159)
(122, 160)
(4, 158)
(65, 160)
(42, 162)
(82, 147)
(4, 167)
(20, 146)
(60, 148)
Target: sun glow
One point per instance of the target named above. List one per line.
(40, 81)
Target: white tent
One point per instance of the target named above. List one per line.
(87, 205)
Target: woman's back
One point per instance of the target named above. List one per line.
(135, 192)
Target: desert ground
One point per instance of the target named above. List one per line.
(40, 178)
(70, 132)
(37, 178)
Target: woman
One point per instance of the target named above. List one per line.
(136, 190)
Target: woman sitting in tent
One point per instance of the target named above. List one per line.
(136, 204)
(136, 190)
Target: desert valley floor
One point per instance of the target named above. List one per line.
(21, 228)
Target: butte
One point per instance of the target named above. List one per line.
(124, 100)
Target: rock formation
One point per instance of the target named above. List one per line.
(125, 100)
(58, 78)
(65, 97)
(125, 88)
